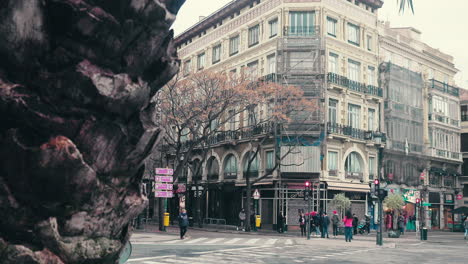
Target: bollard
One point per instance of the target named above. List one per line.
(258, 221)
(166, 219)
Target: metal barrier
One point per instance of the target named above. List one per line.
(217, 222)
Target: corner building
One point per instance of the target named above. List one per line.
(330, 49)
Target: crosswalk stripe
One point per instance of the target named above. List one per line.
(196, 240)
(171, 241)
(252, 241)
(232, 241)
(216, 240)
(288, 242)
(271, 241)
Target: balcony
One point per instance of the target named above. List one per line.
(334, 128)
(301, 31)
(443, 87)
(244, 133)
(354, 175)
(445, 154)
(443, 119)
(353, 85)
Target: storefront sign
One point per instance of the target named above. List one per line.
(448, 198)
(163, 194)
(163, 179)
(459, 196)
(163, 186)
(409, 195)
(164, 171)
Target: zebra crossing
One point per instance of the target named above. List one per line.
(220, 241)
(255, 254)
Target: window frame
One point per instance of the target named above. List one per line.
(199, 64)
(336, 62)
(236, 40)
(215, 59)
(332, 22)
(273, 24)
(253, 39)
(301, 16)
(357, 34)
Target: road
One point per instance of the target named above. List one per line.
(213, 247)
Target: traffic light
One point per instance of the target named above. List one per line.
(307, 184)
(382, 193)
(418, 201)
(307, 192)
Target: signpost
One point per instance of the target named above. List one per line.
(426, 204)
(163, 186)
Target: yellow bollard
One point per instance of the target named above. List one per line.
(258, 221)
(166, 219)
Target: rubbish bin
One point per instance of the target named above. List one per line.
(424, 233)
(166, 219)
(258, 221)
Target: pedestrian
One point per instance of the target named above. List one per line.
(465, 225)
(348, 223)
(241, 220)
(325, 223)
(367, 226)
(183, 223)
(335, 222)
(279, 222)
(315, 224)
(302, 224)
(355, 223)
(401, 224)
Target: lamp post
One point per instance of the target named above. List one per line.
(380, 139)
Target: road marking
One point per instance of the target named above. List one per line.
(214, 240)
(196, 240)
(320, 257)
(252, 241)
(227, 250)
(288, 242)
(171, 241)
(271, 241)
(150, 258)
(232, 241)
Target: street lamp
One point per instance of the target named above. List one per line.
(380, 141)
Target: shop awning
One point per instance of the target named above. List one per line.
(349, 187)
(258, 183)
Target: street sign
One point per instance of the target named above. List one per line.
(426, 204)
(163, 194)
(164, 171)
(181, 188)
(163, 179)
(164, 186)
(256, 194)
(459, 196)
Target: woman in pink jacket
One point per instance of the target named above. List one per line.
(348, 223)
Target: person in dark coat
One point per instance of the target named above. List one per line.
(317, 223)
(183, 223)
(280, 223)
(335, 222)
(355, 223)
(401, 224)
(302, 224)
(325, 223)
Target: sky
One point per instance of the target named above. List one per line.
(444, 25)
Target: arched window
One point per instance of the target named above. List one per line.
(253, 170)
(354, 166)
(212, 169)
(230, 167)
(196, 170)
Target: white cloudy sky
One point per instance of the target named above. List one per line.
(444, 24)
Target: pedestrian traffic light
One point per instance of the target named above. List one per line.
(307, 184)
(307, 192)
(418, 200)
(376, 182)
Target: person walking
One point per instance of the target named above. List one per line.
(325, 224)
(355, 224)
(335, 222)
(279, 223)
(241, 220)
(302, 224)
(367, 226)
(465, 225)
(183, 223)
(348, 223)
(401, 224)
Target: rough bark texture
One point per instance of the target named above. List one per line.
(76, 78)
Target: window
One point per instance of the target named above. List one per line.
(464, 113)
(354, 116)
(214, 125)
(253, 35)
(371, 119)
(251, 117)
(301, 23)
(252, 69)
(232, 120)
(253, 166)
(353, 164)
(187, 67)
(273, 26)
(369, 43)
(331, 26)
(233, 45)
(270, 160)
(271, 64)
(371, 75)
(332, 110)
(353, 34)
(333, 63)
(332, 163)
(371, 168)
(201, 61)
(354, 71)
(216, 53)
(213, 169)
(230, 166)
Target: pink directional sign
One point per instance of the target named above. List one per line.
(164, 171)
(164, 194)
(163, 186)
(163, 179)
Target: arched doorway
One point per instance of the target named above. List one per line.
(354, 166)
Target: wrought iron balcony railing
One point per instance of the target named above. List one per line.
(444, 87)
(301, 31)
(335, 128)
(353, 85)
